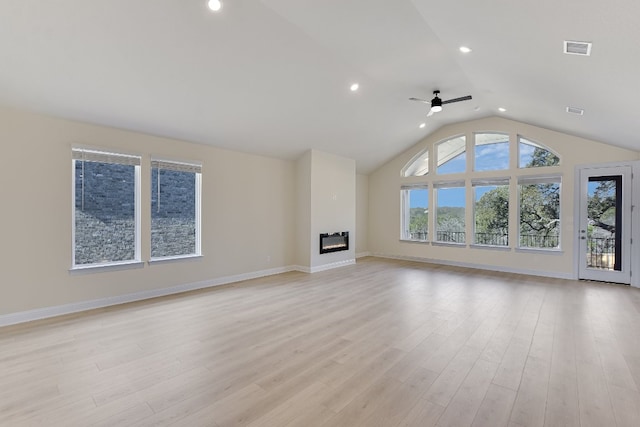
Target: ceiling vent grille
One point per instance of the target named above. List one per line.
(575, 110)
(577, 48)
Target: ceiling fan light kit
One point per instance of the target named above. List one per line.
(437, 102)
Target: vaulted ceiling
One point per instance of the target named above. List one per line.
(272, 77)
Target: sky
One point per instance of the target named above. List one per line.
(487, 157)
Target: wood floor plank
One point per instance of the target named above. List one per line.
(381, 343)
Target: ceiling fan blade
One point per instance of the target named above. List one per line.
(420, 100)
(462, 98)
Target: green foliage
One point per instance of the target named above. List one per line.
(601, 207)
(542, 157)
(492, 211)
(540, 210)
(450, 218)
(418, 220)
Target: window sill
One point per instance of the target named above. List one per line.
(170, 259)
(415, 241)
(112, 266)
(453, 244)
(491, 247)
(543, 251)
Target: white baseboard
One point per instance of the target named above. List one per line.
(332, 265)
(555, 275)
(47, 312)
(362, 254)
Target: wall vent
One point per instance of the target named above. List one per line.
(577, 48)
(575, 110)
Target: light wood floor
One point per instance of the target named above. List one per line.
(381, 343)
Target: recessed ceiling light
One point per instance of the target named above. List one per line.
(575, 110)
(422, 125)
(502, 110)
(465, 49)
(354, 87)
(215, 5)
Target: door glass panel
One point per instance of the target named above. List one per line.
(604, 202)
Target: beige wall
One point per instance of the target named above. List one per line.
(362, 214)
(248, 213)
(384, 199)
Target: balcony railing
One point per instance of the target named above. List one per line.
(451, 236)
(601, 252)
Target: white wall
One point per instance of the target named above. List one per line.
(362, 214)
(248, 213)
(303, 211)
(333, 204)
(384, 200)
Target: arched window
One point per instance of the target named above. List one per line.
(418, 165)
(491, 152)
(534, 155)
(451, 155)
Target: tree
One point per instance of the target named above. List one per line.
(540, 214)
(492, 212)
(542, 157)
(601, 207)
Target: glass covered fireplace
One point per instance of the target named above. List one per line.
(334, 242)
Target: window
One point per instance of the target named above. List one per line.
(175, 209)
(539, 212)
(534, 155)
(450, 212)
(451, 156)
(415, 213)
(106, 208)
(418, 166)
(491, 212)
(491, 152)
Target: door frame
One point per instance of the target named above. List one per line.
(634, 220)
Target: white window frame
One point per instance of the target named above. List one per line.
(406, 211)
(518, 142)
(182, 166)
(486, 183)
(105, 156)
(540, 179)
(444, 185)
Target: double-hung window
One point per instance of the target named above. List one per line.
(175, 209)
(106, 215)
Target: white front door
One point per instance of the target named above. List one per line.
(605, 224)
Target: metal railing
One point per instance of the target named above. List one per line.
(601, 252)
(538, 241)
(451, 236)
(493, 239)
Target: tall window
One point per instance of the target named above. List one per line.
(415, 213)
(106, 208)
(491, 212)
(175, 209)
(534, 155)
(451, 156)
(450, 212)
(539, 212)
(491, 152)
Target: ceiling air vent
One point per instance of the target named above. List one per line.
(575, 110)
(577, 48)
